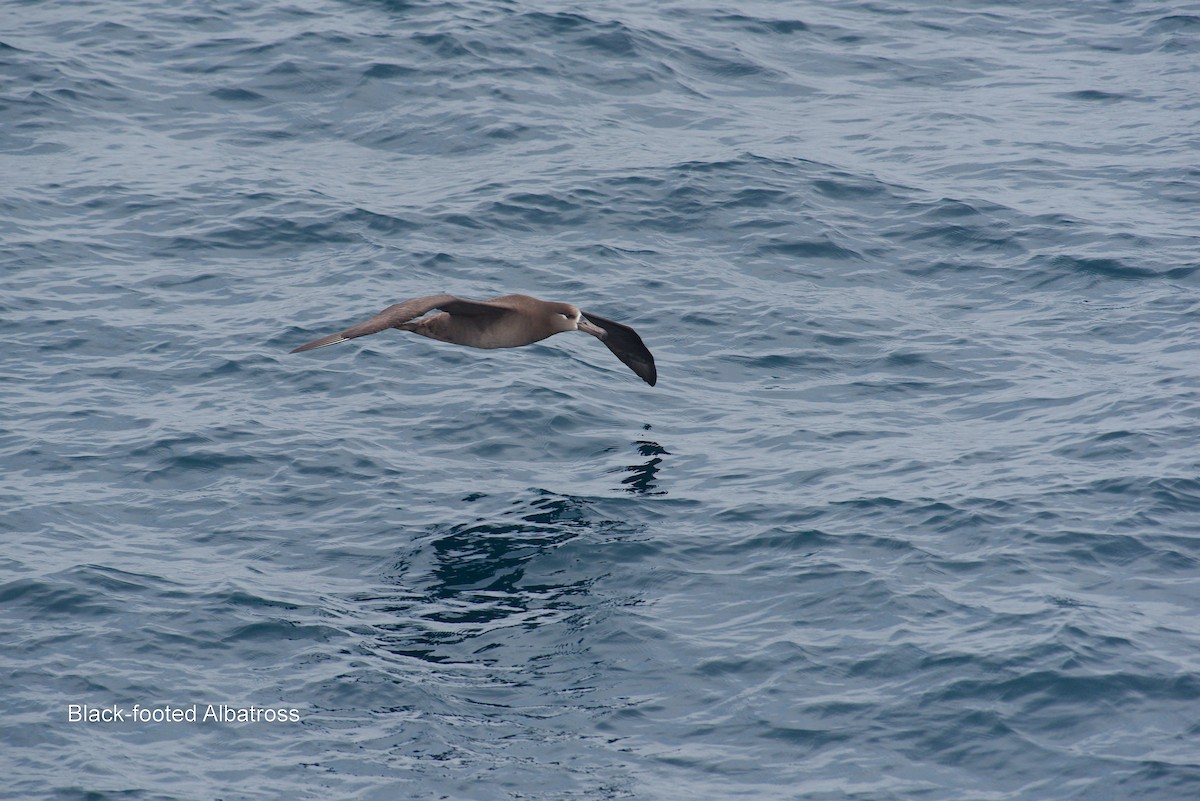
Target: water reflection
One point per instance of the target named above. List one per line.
(643, 477)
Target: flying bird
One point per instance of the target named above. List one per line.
(509, 321)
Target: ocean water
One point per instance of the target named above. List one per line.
(912, 513)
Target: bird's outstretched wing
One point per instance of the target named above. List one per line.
(627, 346)
(403, 312)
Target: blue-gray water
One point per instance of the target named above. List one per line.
(913, 512)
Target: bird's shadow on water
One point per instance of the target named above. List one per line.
(459, 591)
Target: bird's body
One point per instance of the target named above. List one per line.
(509, 321)
(512, 325)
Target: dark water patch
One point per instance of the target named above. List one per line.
(988, 236)
(1176, 22)
(759, 198)
(1099, 96)
(388, 71)
(557, 21)
(844, 186)
(825, 248)
(617, 41)
(53, 600)
(609, 39)
(1063, 265)
(509, 132)
(262, 634)
(776, 363)
(1175, 34)
(461, 220)
(730, 67)
(444, 44)
(258, 233)
(110, 580)
(391, 224)
(762, 25)
(534, 211)
(1180, 273)
(237, 95)
(955, 226)
(1175, 494)
(946, 519)
(442, 135)
(634, 60)
(1050, 691)
(195, 464)
(1112, 445)
(1085, 549)
(772, 542)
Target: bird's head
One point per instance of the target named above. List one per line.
(569, 318)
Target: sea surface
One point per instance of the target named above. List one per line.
(913, 513)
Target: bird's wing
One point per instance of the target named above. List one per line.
(627, 346)
(401, 313)
(462, 307)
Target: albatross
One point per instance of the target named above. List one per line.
(509, 321)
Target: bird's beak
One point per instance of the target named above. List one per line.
(587, 325)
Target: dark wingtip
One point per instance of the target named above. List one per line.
(627, 346)
(644, 369)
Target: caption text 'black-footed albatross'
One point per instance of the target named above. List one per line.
(505, 322)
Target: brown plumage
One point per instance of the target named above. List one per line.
(510, 321)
